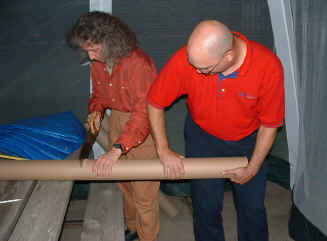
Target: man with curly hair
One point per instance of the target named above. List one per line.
(122, 74)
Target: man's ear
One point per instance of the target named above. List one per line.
(229, 55)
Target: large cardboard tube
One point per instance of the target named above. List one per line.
(105, 123)
(103, 136)
(103, 139)
(122, 170)
(167, 206)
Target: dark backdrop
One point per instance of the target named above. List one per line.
(39, 73)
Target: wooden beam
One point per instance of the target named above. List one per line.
(10, 212)
(103, 219)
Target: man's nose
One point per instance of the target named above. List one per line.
(91, 55)
(199, 71)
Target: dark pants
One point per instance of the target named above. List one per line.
(208, 194)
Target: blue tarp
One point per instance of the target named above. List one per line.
(47, 137)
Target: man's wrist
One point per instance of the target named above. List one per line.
(254, 166)
(162, 149)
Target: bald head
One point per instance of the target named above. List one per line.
(210, 38)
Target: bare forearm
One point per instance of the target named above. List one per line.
(158, 126)
(171, 161)
(265, 138)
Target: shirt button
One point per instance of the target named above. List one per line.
(105, 69)
(113, 99)
(110, 84)
(223, 90)
(123, 87)
(139, 142)
(99, 82)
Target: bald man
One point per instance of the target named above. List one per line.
(235, 96)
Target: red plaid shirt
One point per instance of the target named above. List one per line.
(125, 90)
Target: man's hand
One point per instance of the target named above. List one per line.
(172, 163)
(265, 139)
(241, 175)
(94, 120)
(103, 166)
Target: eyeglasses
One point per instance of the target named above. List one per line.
(207, 70)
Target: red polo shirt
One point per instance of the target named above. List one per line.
(228, 107)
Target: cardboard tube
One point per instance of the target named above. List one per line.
(122, 170)
(166, 205)
(105, 123)
(103, 136)
(103, 139)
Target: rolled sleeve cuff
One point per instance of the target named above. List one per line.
(154, 105)
(273, 125)
(127, 145)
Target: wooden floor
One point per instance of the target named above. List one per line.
(278, 203)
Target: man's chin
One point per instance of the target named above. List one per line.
(99, 61)
(211, 73)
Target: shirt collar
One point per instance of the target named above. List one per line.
(229, 76)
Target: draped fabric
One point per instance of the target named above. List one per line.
(49, 137)
(310, 30)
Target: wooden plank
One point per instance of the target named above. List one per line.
(43, 215)
(103, 220)
(10, 212)
(44, 212)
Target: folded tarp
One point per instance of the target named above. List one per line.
(47, 137)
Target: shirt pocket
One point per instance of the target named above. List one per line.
(248, 101)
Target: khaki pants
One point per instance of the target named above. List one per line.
(140, 197)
